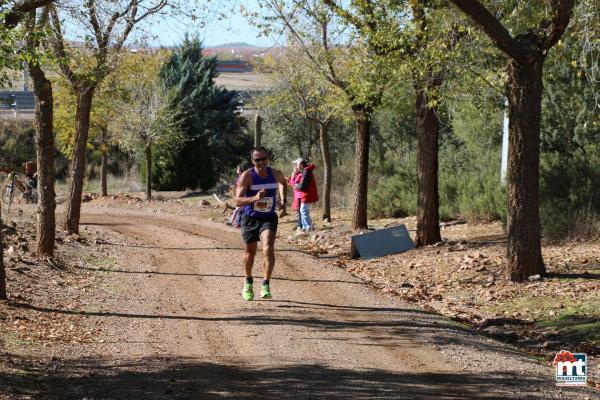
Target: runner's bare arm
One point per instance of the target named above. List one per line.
(282, 186)
(240, 191)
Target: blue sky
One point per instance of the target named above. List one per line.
(233, 28)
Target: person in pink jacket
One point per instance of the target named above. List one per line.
(293, 180)
(308, 192)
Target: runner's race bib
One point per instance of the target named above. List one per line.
(264, 205)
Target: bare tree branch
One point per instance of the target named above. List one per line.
(58, 43)
(493, 28)
(91, 5)
(328, 73)
(332, 77)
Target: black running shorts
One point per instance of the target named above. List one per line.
(252, 227)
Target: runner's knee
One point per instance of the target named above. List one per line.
(251, 250)
(268, 249)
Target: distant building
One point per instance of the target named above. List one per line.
(233, 66)
(17, 104)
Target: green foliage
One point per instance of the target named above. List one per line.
(17, 144)
(393, 131)
(65, 106)
(569, 194)
(570, 142)
(288, 134)
(144, 116)
(469, 162)
(12, 52)
(299, 101)
(214, 142)
(474, 196)
(395, 195)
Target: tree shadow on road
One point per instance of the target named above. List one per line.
(398, 325)
(181, 378)
(275, 277)
(238, 248)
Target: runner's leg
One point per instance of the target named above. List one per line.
(267, 237)
(249, 258)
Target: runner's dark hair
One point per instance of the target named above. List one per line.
(260, 148)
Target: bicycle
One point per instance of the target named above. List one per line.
(17, 182)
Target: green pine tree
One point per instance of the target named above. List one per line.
(214, 142)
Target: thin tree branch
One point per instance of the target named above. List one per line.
(58, 44)
(91, 5)
(562, 15)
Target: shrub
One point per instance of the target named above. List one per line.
(17, 143)
(569, 195)
(482, 198)
(474, 196)
(394, 196)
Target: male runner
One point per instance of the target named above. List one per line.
(257, 193)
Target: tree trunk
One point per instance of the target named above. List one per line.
(77, 169)
(148, 151)
(44, 138)
(324, 136)
(428, 225)
(104, 161)
(2, 268)
(524, 86)
(362, 115)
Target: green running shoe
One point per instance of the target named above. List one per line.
(248, 292)
(265, 292)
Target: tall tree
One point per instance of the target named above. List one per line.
(11, 14)
(403, 34)
(145, 119)
(526, 52)
(316, 100)
(427, 88)
(205, 114)
(110, 24)
(290, 133)
(102, 113)
(44, 136)
(349, 66)
(2, 267)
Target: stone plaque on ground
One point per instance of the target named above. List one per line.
(381, 242)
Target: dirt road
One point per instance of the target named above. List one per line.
(174, 325)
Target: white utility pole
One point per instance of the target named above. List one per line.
(504, 162)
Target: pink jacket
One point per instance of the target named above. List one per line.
(295, 179)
